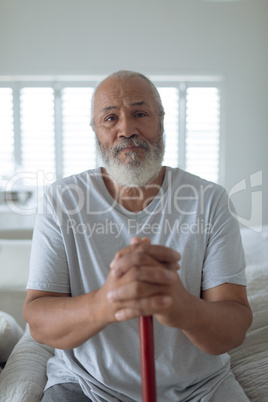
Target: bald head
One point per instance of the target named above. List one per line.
(127, 75)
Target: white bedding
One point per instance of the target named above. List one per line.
(250, 360)
(24, 376)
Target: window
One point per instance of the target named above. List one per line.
(202, 132)
(78, 140)
(37, 129)
(7, 148)
(45, 127)
(170, 100)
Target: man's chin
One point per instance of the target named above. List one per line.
(134, 168)
(132, 176)
(129, 158)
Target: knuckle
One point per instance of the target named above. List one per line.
(162, 301)
(134, 273)
(159, 275)
(139, 258)
(137, 288)
(118, 255)
(141, 247)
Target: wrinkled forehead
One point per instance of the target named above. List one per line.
(117, 91)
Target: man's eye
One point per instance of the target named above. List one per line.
(140, 114)
(110, 118)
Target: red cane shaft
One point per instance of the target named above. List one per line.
(147, 359)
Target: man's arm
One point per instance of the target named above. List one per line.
(61, 321)
(220, 319)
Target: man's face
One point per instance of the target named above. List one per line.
(129, 130)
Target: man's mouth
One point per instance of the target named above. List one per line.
(130, 148)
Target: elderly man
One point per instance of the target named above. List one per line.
(106, 250)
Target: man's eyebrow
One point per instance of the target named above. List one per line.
(107, 108)
(138, 103)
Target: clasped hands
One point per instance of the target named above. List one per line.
(142, 281)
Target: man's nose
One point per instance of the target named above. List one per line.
(127, 127)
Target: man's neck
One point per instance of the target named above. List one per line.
(134, 199)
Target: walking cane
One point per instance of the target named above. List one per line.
(147, 359)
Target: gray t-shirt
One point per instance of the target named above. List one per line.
(77, 234)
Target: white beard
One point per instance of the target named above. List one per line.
(135, 172)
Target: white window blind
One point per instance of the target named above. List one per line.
(6, 132)
(170, 101)
(37, 127)
(78, 140)
(203, 132)
(53, 131)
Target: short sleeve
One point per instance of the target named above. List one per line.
(48, 262)
(224, 260)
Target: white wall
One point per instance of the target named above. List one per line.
(157, 37)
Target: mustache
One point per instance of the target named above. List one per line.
(130, 142)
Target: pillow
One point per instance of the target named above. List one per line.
(24, 377)
(14, 263)
(10, 334)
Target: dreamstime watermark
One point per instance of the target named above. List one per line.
(254, 190)
(186, 200)
(34, 182)
(132, 226)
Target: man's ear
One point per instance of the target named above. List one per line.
(92, 125)
(162, 124)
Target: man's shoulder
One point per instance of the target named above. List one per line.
(77, 179)
(184, 179)
(73, 188)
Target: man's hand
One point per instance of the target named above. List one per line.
(138, 284)
(143, 281)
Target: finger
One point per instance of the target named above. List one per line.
(146, 275)
(160, 253)
(146, 240)
(136, 240)
(146, 307)
(141, 289)
(163, 254)
(126, 263)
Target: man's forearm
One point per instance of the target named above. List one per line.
(217, 327)
(65, 322)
